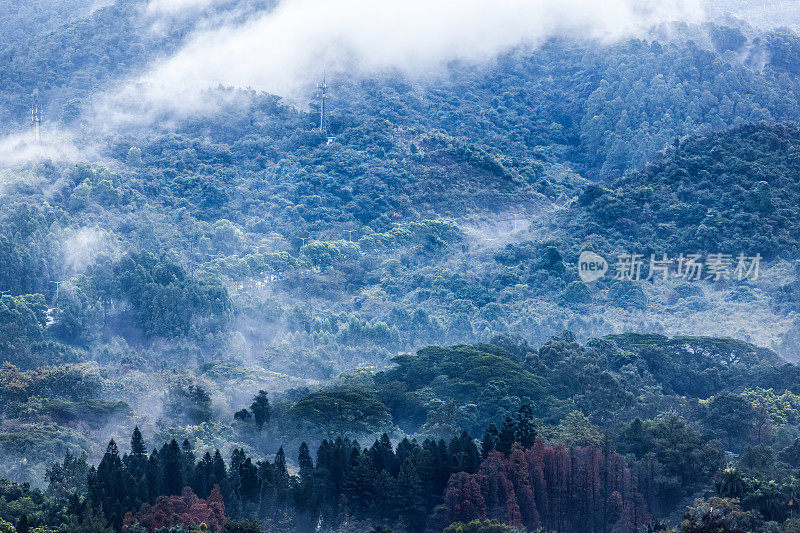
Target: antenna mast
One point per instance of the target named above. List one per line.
(36, 119)
(323, 94)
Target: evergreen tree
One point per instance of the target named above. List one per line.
(153, 477)
(507, 435)
(249, 483)
(106, 484)
(187, 462)
(382, 455)
(137, 460)
(171, 468)
(409, 489)
(202, 482)
(282, 481)
(304, 460)
(525, 431)
(464, 455)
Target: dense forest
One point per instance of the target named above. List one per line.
(241, 313)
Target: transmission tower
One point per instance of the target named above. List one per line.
(323, 112)
(36, 119)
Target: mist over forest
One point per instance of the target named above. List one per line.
(414, 267)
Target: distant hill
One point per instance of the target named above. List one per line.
(728, 192)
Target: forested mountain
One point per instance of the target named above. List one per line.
(732, 191)
(228, 310)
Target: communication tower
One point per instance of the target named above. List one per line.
(36, 119)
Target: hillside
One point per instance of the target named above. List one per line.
(223, 309)
(732, 191)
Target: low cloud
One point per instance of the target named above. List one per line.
(284, 51)
(83, 245)
(22, 147)
(172, 7)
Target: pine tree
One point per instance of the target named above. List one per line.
(360, 489)
(249, 483)
(282, 480)
(501, 500)
(409, 489)
(106, 485)
(171, 467)
(464, 498)
(187, 462)
(138, 447)
(219, 473)
(518, 473)
(464, 456)
(304, 460)
(201, 483)
(382, 455)
(525, 431)
(304, 494)
(507, 435)
(136, 462)
(153, 477)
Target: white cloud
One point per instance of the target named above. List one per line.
(83, 245)
(19, 148)
(283, 51)
(172, 7)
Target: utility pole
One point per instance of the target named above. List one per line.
(515, 221)
(191, 260)
(323, 94)
(350, 233)
(304, 239)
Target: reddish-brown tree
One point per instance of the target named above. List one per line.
(184, 510)
(464, 498)
(584, 490)
(498, 491)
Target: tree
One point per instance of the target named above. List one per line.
(464, 498)
(243, 526)
(68, 478)
(507, 435)
(134, 157)
(409, 489)
(348, 411)
(171, 468)
(107, 484)
(717, 515)
(491, 438)
(577, 430)
(734, 418)
(731, 484)
(261, 409)
(481, 526)
(89, 521)
(136, 462)
(525, 430)
(242, 415)
(185, 510)
(191, 404)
